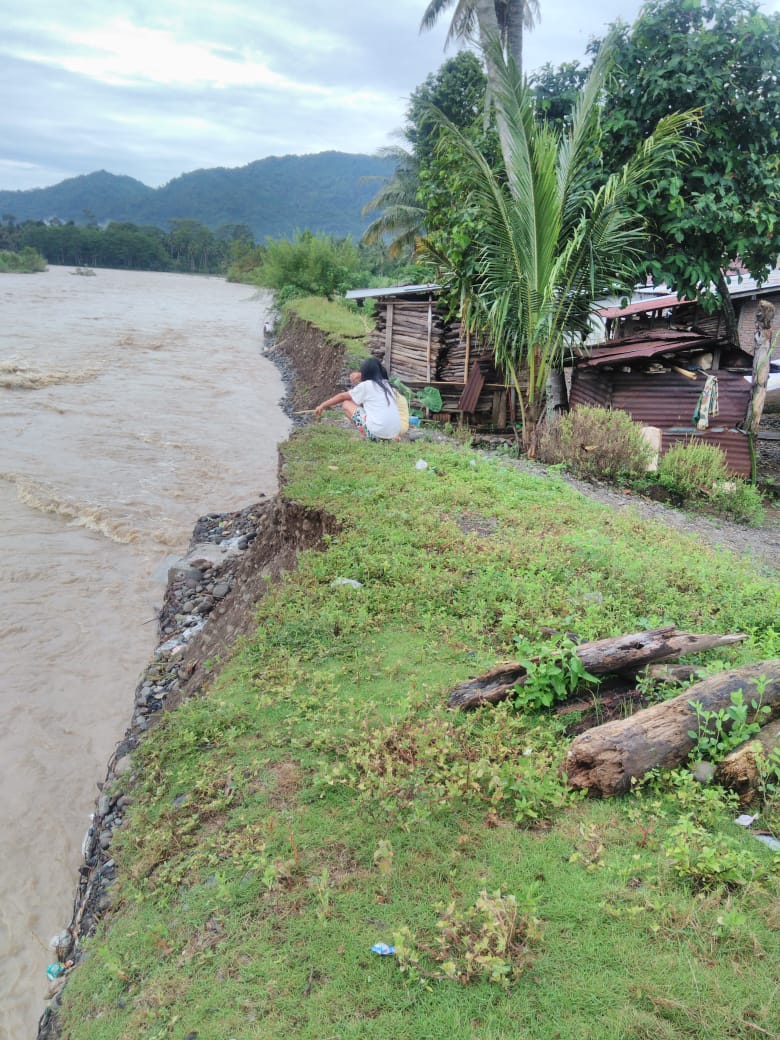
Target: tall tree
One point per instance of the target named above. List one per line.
(724, 56)
(495, 20)
(550, 245)
(509, 20)
(420, 192)
(401, 215)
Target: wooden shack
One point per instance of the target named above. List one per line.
(421, 346)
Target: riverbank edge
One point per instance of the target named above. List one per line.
(207, 606)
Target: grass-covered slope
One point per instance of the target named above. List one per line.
(319, 798)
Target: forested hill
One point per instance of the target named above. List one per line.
(274, 196)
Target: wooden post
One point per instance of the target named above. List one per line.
(430, 331)
(468, 356)
(389, 338)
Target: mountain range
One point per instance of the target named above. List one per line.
(274, 197)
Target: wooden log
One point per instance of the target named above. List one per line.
(622, 655)
(740, 770)
(604, 760)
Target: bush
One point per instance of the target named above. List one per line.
(692, 469)
(739, 500)
(699, 473)
(596, 443)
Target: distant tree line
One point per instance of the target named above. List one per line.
(308, 264)
(188, 245)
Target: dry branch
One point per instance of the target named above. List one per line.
(606, 759)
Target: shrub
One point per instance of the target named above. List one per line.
(739, 500)
(597, 443)
(699, 472)
(692, 469)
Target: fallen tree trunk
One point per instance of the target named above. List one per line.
(741, 770)
(619, 655)
(606, 759)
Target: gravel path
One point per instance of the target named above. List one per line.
(762, 543)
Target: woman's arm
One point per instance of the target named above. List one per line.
(337, 399)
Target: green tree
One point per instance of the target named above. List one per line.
(401, 215)
(550, 245)
(724, 56)
(420, 193)
(310, 264)
(556, 91)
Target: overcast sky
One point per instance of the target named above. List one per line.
(156, 88)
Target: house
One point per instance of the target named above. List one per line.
(660, 353)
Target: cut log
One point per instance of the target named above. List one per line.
(604, 760)
(622, 655)
(740, 770)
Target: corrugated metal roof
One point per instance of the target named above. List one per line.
(391, 290)
(657, 303)
(660, 341)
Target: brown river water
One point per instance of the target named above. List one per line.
(130, 404)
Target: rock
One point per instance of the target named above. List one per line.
(353, 583)
(703, 772)
(122, 766)
(105, 839)
(183, 571)
(104, 804)
(220, 590)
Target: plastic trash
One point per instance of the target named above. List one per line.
(421, 464)
(414, 420)
(383, 949)
(351, 582)
(55, 971)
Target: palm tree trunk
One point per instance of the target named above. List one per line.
(514, 32)
(490, 36)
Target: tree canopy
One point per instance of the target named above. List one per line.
(722, 57)
(550, 245)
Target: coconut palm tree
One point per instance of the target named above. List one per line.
(551, 243)
(401, 215)
(512, 18)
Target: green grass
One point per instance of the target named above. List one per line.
(320, 798)
(341, 323)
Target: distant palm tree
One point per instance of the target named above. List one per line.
(512, 18)
(402, 217)
(550, 243)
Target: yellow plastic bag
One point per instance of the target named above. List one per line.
(403, 410)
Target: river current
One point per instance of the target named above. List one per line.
(130, 404)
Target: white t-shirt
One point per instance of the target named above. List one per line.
(382, 418)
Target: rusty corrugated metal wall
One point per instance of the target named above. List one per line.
(668, 400)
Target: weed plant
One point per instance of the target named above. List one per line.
(319, 798)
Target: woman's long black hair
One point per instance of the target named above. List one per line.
(377, 373)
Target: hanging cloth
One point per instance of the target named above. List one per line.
(707, 405)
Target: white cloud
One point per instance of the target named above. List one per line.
(154, 88)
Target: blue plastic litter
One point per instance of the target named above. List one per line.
(383, 949)
(55, 971)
